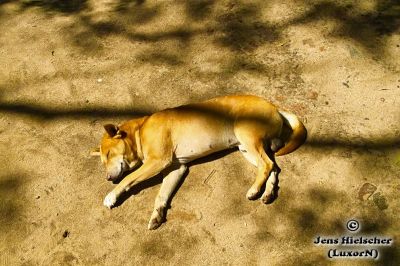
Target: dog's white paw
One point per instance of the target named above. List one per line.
(252, 193)
(156, 220)
(269, 195)
(110, 200)
(267, 198)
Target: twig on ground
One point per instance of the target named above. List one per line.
(209, 176)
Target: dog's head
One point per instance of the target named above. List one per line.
(117, 152)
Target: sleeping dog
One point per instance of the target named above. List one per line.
(169, 139)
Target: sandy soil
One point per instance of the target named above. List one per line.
(68, 67)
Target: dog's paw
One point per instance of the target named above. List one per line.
(156, 220)
(269, 195)
(267, 198)
(252, 193)
(110, 200)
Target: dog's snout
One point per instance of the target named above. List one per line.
(114, 169)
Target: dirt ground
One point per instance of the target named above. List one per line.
(68, 67)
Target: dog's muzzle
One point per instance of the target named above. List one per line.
(111, 177)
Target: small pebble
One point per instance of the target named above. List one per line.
(38, 197)
(366, 191)
(65, 234)
(99, 80)
(380, 201)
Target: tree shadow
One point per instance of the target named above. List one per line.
(70, 6)
(239, 28)
(199, 9)
(136, 12)
(383, 141)
(242, 29)
(365, 28)
(45, 113)
(6, 1)
(10, 201)
(8, 187)
(390, 256)
(124, 5)
(318, 211)
(238, 63)
(378, 143)
(160, 58)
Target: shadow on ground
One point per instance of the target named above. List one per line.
(365, 28)
(9, 209)
(239, 26)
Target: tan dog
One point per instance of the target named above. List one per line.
(173, 137)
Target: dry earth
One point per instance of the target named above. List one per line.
(68, 67)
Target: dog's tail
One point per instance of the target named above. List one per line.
(294, 133)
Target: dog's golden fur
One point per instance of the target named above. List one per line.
(173, 137)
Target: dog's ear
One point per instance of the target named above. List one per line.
(111, 129)
(120, 134)
(95, 152)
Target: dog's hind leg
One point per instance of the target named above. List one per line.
(271, 183)
(264, 165)
(271, 187)
(168, 186)
(252, 148)
(250, 157)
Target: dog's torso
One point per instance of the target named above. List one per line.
(196, 130)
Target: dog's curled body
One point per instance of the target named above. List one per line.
(170, 138)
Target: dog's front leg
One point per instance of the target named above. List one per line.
(149, 169)
(167, 188)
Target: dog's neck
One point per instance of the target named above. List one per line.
(138, 145)
(133, 129)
